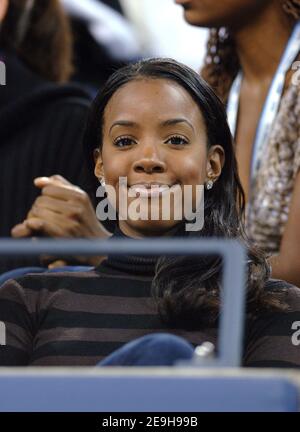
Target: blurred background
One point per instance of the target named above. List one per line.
(108, 33)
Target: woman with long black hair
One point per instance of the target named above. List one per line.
(160, 127)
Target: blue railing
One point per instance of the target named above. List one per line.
(231, 325)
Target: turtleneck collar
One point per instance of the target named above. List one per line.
(139, 264)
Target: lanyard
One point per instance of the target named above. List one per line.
(272, 102)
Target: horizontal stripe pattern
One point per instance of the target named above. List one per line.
(54, 318)
(79, 319)
(96, 283)
(106, 335)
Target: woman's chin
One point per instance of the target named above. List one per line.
(152, 228)
(196, 19)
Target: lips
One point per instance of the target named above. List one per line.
(182, 2)
(149, 185)
(149, 189)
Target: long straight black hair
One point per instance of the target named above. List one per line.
(188, 290)
(227, 191)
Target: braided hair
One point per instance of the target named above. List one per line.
(221, 64)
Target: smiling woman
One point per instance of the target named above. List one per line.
(158, 125)
(165, 147)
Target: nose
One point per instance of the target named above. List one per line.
(149, 162)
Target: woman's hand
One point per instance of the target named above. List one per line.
(61, 211)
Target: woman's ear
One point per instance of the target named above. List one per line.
(98, 164)
(215, 162)
(3, 9)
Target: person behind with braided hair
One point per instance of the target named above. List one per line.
(251, 63)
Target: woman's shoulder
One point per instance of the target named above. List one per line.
(51, 280)
(66, 105)
(27, 98)
(273, 338)
(290, 293)
(278, 319)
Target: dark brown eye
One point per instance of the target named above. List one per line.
(124, 142)
(177, 141)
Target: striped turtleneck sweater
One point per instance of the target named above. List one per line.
(79, 318)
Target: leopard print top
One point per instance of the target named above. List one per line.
(268, 208)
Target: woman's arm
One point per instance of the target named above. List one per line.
(286, 265)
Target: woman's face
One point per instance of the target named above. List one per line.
(155, 137)
(221, 13)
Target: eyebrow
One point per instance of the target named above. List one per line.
(123, 123)
(172, 122)
(169, 122)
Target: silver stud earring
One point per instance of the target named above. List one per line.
(102, 181)
(209, 184)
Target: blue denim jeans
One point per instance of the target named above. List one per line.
(161, 349)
